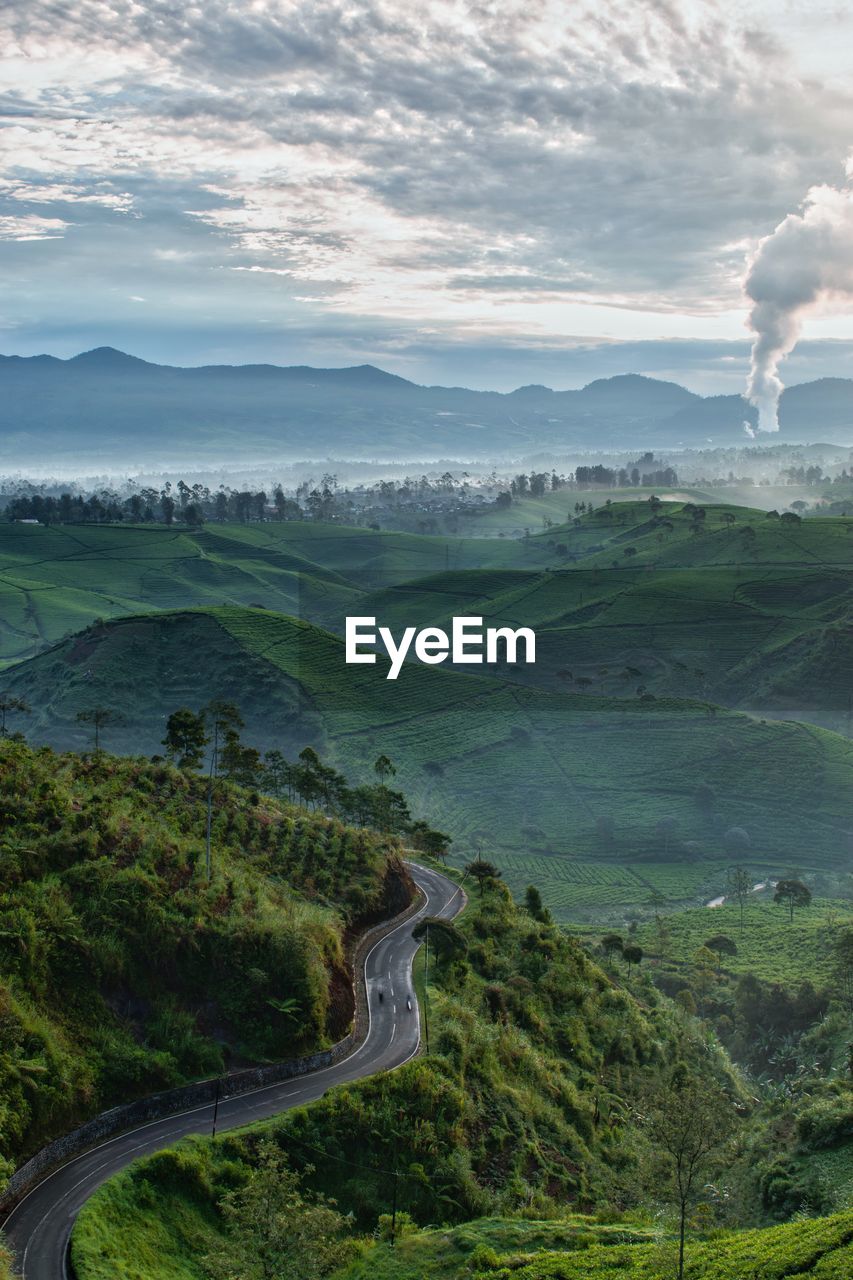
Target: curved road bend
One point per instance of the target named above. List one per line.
(38, 1229)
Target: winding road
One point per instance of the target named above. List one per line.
(39, 1228)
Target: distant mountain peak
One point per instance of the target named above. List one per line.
(532, 389)
(371, 373)
(107, 358)
(625, 381)
(107, 405)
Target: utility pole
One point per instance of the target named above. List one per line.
(212, 775)
(426, 989)
(215, 1107)
(394, 1209)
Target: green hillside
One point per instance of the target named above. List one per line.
(124, 971)
(769, 944)
(565, 770)
(524, 1105)
(645, 601)
(739, 607)
(568, 789)
(56, 580)
(582, 1249)
(519, 1146)
(553, 507)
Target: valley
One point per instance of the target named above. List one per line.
(690, 662)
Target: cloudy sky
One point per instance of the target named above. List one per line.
(490, 192)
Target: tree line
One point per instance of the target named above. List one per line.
(213, 734)
(192, 505)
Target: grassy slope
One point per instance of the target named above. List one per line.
(688, 615)
(820, 1248)
(57, 580)
(770, 946)
(557, 506)
(522, 1104)
(530, 770)
(123, 970)
(575, 1248)
(581, 759)
(146, 666)
(751, 623)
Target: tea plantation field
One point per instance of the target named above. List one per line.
(613, 770)
(495, 1249)
(581, 786)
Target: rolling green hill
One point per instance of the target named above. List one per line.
(55, 581)
(751, 612)
(525, 1104)
(124, 971)
(593, 797)
(645, 616)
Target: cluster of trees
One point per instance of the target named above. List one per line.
(621, 478)
(181, 503)
(214, 733)
(274, 1227)
(197, 504)
(761, 1023)
(612, 944)
(802, 475)
(424, 498)
(536, 484)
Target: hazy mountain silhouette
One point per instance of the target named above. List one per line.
(109, 406)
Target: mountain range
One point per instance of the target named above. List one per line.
(105, 406)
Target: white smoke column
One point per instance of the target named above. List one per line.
(807, 259)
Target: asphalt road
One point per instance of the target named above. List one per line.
(39, 1228)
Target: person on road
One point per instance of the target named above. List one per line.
(380, 993)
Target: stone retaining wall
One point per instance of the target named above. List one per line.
(203, 1092)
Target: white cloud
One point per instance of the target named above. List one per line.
(534, 166)
(31, 227)
(65, 193)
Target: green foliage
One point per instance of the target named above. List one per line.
(681, 783)
(6, 1272)
(272, 1231)
(792, 894)
(526, 1103)
(123, 970)
(820, 1248)
(584, 1249)
(769, 946)
(827, 1122)
(185, 738)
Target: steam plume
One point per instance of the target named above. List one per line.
(808, 258)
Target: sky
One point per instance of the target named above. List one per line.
(488, 193)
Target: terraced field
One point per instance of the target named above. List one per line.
(583, 772)
(569, 780)
(821, 1248)
(759, 622)
(580, 891)
(54, 581)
